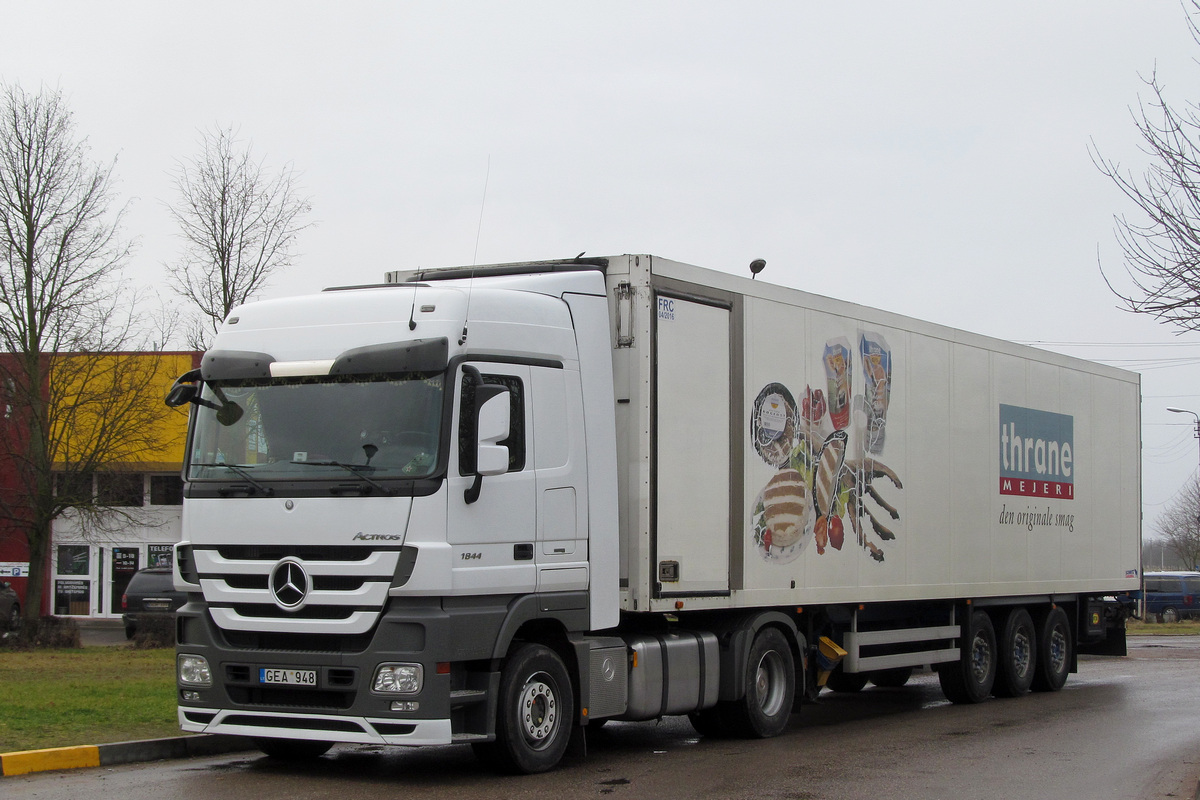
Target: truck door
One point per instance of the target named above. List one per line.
(691, 446)
(493, 537)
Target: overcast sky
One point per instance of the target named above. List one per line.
(929, 158)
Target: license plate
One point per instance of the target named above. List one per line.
(290, 677)
(157, 605)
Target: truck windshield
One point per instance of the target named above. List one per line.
(376, 426)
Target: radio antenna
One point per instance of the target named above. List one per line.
(475, 256)
(482, 204)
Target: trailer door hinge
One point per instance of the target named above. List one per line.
(624, 321)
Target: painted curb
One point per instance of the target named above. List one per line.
(103, 755)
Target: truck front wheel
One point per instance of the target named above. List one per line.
(535, 712)
(770, 685)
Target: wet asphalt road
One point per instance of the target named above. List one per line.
(1122, 728)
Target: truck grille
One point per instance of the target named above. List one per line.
(309, 589)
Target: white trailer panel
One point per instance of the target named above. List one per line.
(870, 457)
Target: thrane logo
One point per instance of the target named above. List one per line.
(1037, 456)
(377, 537)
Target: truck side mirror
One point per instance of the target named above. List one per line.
(492, 414)
(182, 394)
(491, 457)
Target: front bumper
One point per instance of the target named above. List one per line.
(322, 727)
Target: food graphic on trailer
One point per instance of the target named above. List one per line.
(824, 450)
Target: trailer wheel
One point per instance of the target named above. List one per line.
(892, 678)
(1018, 655)
(1054, 653)
(535, 712)
(970, 679)
(770, 684)
(846, 682)
(292, 749)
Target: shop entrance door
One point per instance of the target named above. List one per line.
(123, 563)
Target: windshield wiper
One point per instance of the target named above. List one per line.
(245, 473)
(353, 469)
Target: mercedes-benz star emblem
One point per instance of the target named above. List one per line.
(289, 584)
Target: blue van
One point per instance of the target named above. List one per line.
(1172, 596)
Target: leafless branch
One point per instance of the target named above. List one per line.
(1161, 242)
(239, 225)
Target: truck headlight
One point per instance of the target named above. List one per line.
(193, 671)
(398, 679)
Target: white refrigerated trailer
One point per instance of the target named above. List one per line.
(495, 504)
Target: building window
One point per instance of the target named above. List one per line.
(160, 555)
(73, 597)
(121, 489)
(73, 559)
(166, 490)
(74, 488)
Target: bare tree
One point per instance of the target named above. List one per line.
(72, 405)
(239, 225)
(1179, 526)
(1161, 246)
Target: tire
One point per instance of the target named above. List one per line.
(130, 631)
(892, 678)
(292, 749)
(971, 678)
(1169, 615)
(1018, 655)
(770, 683)
(846, 682)
(710, 723)
(1054, 652)
(535, 712)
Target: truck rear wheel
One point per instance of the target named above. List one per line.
(770, 684)
(710, 722)
(1054, 652)
(535, 712)
(970, 679)
(1018, 655)
(292, 749)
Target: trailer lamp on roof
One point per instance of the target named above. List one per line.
(193, 671)
(398, 679)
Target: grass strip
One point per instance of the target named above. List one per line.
(1187, 627)
(96, 695)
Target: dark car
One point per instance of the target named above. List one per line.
(1172, 596)
(10, 607)
(150, 594)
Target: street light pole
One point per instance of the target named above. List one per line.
(1193, 413)
(1197, 434)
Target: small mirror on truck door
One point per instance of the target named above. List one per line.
(491, 415)
(492, 427)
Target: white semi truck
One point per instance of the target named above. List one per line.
(492, 505)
